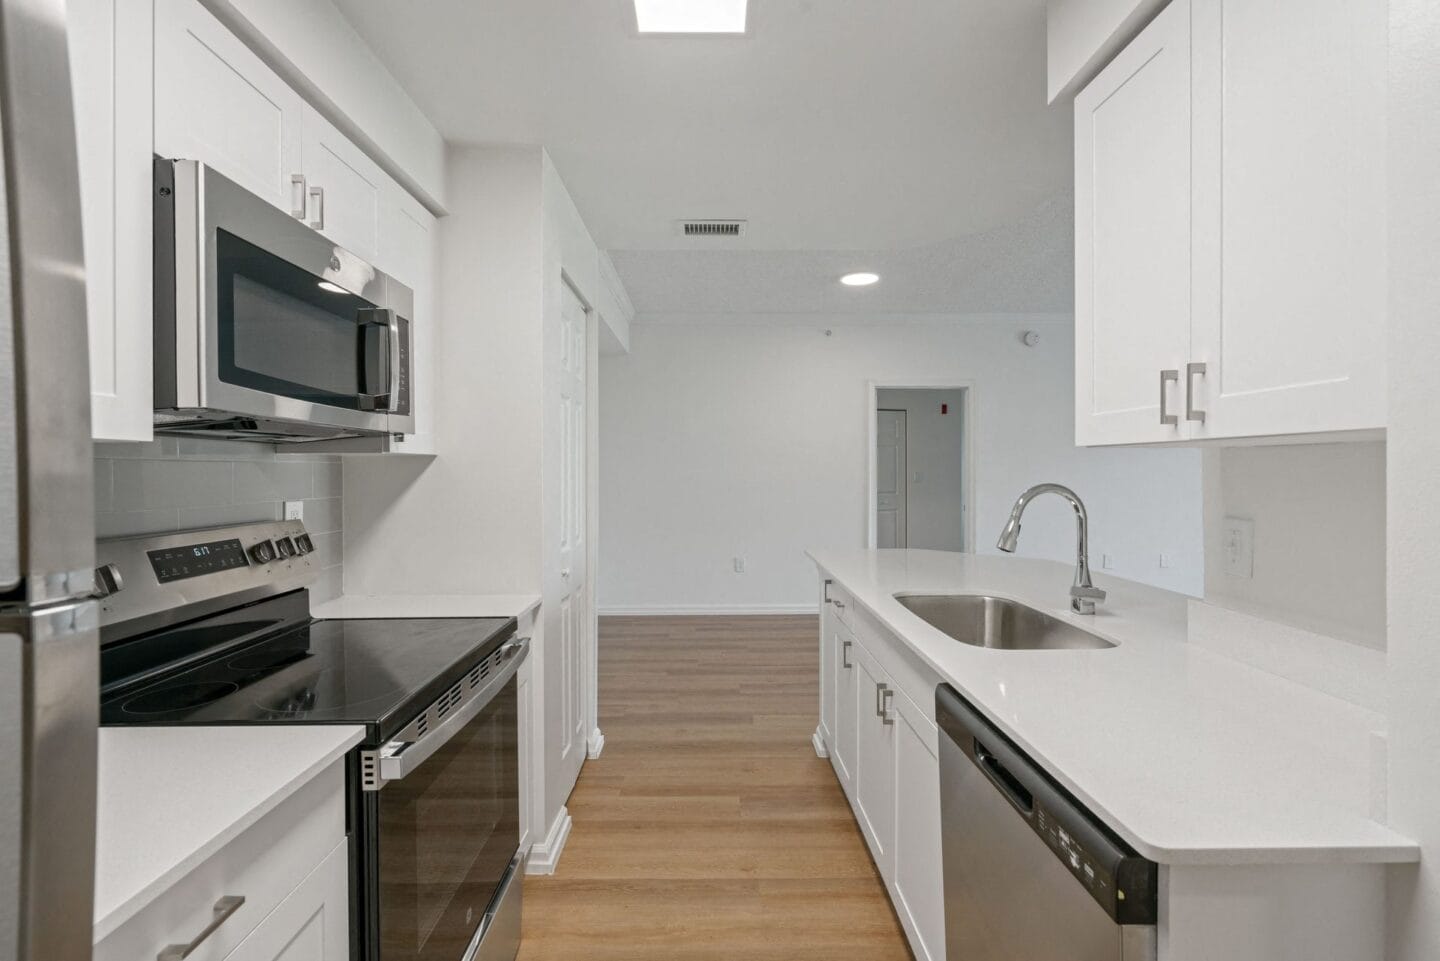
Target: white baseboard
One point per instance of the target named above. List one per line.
(594, 744)
(545, 855)
(693, 610)
(818, 742)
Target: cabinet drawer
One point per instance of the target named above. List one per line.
(840, 601)
(263, 865)
(911, 675)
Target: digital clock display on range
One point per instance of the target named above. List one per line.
(193, 560)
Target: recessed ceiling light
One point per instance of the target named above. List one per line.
(690, 16)
(332, 288)
(862, 279)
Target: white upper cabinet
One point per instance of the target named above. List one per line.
(217, 102)
(1290, 216)
(343, 188)
(110, 65)
(1230, 274)
(1132, 237)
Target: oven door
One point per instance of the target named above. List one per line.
(279, 323)
(449, 833)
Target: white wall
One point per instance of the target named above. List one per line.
(1413, 443)
(1319, 515)
(750, 440)
(313, 46)
(935, 453)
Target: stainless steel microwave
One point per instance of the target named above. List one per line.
(265, 330)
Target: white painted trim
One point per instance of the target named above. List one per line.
(692, 610)
(970, 417)
(817, 741)
(545, 855)
(594, 744)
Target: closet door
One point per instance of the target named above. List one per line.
(1132, 239)
(1290, 215)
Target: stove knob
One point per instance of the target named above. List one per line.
(303, 544)
(263, 552)
(107, 581)
(285, 547)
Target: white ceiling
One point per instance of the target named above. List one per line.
(865, 125)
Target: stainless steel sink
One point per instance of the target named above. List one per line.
(997, 623)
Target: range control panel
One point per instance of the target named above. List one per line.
(160, 576)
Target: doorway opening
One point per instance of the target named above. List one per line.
(920, 467)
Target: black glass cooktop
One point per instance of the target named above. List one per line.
(379, 673)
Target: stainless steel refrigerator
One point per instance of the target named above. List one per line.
(48, 624)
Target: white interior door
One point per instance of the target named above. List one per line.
(890, 467)
(574, 607)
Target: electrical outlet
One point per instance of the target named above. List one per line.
(1237, 540)
(1107, 562)
(739, 565)
(294, 510)
(1167, 560)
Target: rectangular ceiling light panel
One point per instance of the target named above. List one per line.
(690, 16)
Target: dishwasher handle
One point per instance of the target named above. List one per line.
(1005, 782)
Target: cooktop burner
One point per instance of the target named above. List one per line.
(379, 673)
(177, 697)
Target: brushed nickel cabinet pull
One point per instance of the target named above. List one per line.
(1191, 411)
(1168, 377)
(224, 908)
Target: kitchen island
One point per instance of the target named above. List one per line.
(1238, 783)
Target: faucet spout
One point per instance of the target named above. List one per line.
(1083, 593)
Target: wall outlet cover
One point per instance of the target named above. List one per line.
(294, 510)
(1237, 544)
(739, 565)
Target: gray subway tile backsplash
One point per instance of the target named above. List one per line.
(177, 484)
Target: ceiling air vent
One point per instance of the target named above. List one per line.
(711, 228)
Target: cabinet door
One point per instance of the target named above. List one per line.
(111, 65)
(919, 881)
(217, 102)
(407, 251)
(343, 188)
(827, 666)
(875, 759)
(311, 924)
(847, 687)
(1132, 237)
(1290, 215)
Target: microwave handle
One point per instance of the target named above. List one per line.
(381, 317)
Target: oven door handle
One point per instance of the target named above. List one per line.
(399, 758)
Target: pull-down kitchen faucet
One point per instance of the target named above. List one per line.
(1083, 593)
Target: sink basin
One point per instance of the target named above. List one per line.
(997, 623)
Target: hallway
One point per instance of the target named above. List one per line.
(708, 830)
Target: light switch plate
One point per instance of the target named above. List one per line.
(1237, 542)
(739, 565)
(294, 510)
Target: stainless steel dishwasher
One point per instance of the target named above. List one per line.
(1030, 875)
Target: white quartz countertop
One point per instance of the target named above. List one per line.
(170, 797)
(1191, 757)
(361, 606)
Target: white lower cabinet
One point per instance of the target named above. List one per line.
(279, 891)
(874, 797)
(883, 747)
(845, 675)
(312, 923)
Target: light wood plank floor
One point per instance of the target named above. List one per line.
(709, 830)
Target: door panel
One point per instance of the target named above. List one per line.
(919, 882)
(1132, 235)
(575, 617)
(312, 923)
(1290, 201)
(891, 472)
(875, 761)
(842, 752)
(217, 102)
(345, 188)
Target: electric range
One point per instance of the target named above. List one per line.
(213, 627)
